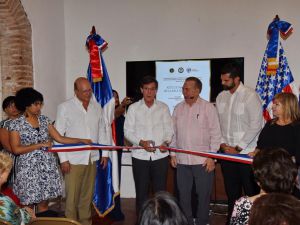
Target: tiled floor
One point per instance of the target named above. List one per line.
(218, 214)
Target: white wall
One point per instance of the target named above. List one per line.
(149, 30)
(176, 29)
(48, 43)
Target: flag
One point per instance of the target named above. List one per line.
(107, 180)
(275, 75)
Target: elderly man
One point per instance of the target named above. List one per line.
(80, 117)
(148, 122)
(240, 114)
(197, 128)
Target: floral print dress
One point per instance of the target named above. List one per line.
(37, 175)
(10, 212)
(241, 211)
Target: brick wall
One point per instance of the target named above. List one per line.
(15, 48)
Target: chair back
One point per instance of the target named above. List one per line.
(2, 222)
(53, 221)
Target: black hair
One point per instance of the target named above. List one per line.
(114, 91)
(162, 209)
(231, 68)
(148, 80)
(197, 82)
(8, 101)
(275, 209)
(275, 170)
(26, 97)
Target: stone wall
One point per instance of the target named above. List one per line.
(15, 48)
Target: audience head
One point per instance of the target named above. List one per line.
(83, 89)
(275, 209)
(275, 170)
(26, 97)
(9, 107)
(5, 167)
(286, 105)
(230, 76)
(162, 209)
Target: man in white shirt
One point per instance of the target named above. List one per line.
(148, 123)
(240, 114)
(80, 117)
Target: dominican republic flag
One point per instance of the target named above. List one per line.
(275, 75)
(107, 180)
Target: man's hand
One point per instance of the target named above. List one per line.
(103, 162)
(173, 161)
(228, 149)
(147, 145)
(164, 144)
(209, 164)
(252, 154)
(65, 167)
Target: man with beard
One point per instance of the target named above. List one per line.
(240, 114)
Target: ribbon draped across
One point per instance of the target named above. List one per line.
(240, 158)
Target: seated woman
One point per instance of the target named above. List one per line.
(274, 171)
(37, 172)
(275, 209)
(162, 209)
(9, 211)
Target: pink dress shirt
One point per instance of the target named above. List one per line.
(196, 128)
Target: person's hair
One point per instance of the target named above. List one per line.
(5, 162)
(26, 97)
(162, 209)
(148, 80)
(197, 82)
(275, 209)
(274, 170)
(114, 91)
(8, 101)
(290, 106)
(231, 68)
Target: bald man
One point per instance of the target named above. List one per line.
(81, 117)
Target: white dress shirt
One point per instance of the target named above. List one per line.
(144, 123)
(73, 120)
(241, 117)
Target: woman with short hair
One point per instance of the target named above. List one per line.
(37, 174)
(274, 171)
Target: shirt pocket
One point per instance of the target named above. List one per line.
(221, 107)
(240, 109)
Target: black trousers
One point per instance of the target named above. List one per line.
(237, 177)
(146, 172)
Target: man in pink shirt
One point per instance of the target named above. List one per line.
(197, 128)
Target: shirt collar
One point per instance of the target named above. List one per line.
(143, 102)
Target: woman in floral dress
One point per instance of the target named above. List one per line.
(37, 176)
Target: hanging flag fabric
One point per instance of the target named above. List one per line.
(106, 183)
(275, 75)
